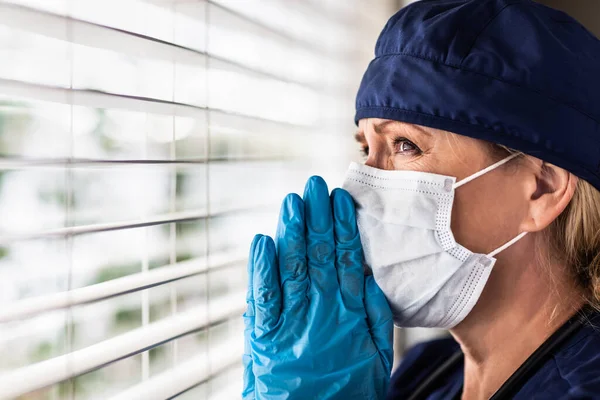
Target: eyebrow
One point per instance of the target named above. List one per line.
(360, 137)
(383, 126)
(379, 128)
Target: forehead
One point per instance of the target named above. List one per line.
(369, 128)
(380, 126)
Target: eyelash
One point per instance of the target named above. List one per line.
(364, 151)
(398, 145)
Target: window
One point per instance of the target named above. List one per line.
(142, 145)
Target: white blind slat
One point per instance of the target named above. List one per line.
(136, 133)
(158, 276)
(187, 375)
(36, 376)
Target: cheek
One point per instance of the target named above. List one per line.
(486, 214)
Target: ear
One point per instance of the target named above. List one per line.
(550, 191)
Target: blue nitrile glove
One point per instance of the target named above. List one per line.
(316, 327)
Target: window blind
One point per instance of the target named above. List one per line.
(142, 144)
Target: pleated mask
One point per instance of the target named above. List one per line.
(403, 219)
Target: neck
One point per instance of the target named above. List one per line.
(515, 314)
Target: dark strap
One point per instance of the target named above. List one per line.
(516, 381)
(425, 387)
(539, 357)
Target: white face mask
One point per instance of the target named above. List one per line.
(404, 222)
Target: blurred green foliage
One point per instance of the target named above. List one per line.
(15, 117)
(183, 257)
(15, 121)
(104, 124)
(127, 316)
(115, 271)
(42, 351)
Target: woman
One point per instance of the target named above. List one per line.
(478, 210)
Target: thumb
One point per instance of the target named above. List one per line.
(379, 318)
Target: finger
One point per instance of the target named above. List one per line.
(320, 246)
(291, 253)
(249, 384)
(250, 291)
(379, 317)
(348, 250)
(267, 292)
(248, 390)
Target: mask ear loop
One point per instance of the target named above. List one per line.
(477, 175)
(507, 244)
(485, 170)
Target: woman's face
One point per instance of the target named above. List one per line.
(487, 211)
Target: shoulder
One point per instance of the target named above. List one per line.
(578, 364)
(418, 363)
(574, 369)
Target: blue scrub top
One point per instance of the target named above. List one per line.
(572, 372)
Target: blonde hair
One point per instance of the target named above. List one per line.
(574, 238)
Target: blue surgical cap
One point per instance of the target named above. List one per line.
(513, 72)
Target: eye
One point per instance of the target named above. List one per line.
(404, 146)
(364, 148)
(364, 151)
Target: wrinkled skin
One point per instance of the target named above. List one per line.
(316, 327)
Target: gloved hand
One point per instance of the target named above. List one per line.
(316, 327)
